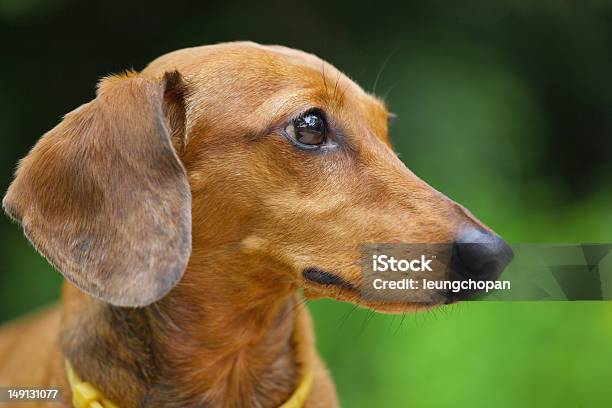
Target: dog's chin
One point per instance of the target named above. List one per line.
(313, 292)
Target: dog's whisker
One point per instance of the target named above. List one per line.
(400, 324)
(380, 71)
(336, 87)
(366, 320)
(324, 80)
(343, 92)
(347, 315)
(386, 94)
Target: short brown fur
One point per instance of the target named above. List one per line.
(181, 173)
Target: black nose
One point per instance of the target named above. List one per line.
(480, 256)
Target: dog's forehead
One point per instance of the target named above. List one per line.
(254, 71)
(219, 60)
(263, 84)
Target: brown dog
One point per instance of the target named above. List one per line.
(188, 203)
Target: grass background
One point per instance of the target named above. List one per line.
(505, 106)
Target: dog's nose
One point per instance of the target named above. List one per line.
(483, 255)
(478, 255)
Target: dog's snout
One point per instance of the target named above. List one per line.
(479, 255)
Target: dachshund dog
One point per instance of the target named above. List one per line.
(188, 204)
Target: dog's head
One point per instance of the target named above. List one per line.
(265, 152)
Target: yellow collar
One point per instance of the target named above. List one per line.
(297, 399)
(85, 395)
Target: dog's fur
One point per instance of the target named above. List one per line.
(182, 219)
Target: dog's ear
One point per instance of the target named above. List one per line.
(104, 197)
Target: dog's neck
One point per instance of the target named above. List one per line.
(224, 336)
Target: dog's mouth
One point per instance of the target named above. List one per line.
(319, 283)
(431, 275)
(324, 278)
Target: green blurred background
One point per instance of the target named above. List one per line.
(506, 106)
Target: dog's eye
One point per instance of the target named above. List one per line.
(308, 129)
